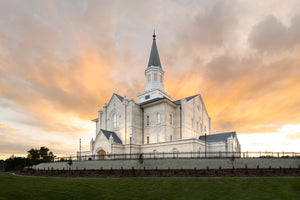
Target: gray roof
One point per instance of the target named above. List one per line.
(152, 100)
(220, 137)
(178, 102)
(154, 57)
(119, 97)
(114, 135)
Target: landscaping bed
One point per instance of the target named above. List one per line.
(270, 172)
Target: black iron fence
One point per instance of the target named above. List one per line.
(179, 155)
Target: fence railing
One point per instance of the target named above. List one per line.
(180, 155)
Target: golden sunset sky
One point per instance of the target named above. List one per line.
(61, 61)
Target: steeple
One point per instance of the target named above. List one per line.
(154, 57)
(154, 75)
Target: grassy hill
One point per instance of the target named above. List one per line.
(18, 187)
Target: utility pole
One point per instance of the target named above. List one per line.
(79, 148)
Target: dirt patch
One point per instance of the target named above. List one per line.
(165, 173)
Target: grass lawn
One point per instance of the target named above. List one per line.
(16, 187)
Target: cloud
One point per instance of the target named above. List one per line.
(271, 35)
(4, 129)
(60, 62)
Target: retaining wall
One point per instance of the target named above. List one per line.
(176, 164)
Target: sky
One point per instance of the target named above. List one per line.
(61, 61)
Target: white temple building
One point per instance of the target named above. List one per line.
(156, 124)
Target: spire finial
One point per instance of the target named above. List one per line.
(154, 34)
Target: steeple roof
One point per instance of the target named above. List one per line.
(154, 57)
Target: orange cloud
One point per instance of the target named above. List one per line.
(61, 63)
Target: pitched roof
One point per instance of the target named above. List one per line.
(114, 135)
(152, 100)
(220, 137)
(178, 102)
(119, 97)
(154, 57)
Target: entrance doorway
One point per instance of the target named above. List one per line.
(101, 154)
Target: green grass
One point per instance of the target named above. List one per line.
(16, 187)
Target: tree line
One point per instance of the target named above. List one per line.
(34, 157)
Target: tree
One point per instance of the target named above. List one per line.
(33, 156)
(44, 153)
(16, 163)
(37, 156)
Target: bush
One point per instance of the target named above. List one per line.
(141, 159)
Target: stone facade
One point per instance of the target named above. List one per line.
(156, 123)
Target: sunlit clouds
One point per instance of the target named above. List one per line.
(60, 62)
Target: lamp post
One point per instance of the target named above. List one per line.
(130, 146)
(205, 144)
(79, 148)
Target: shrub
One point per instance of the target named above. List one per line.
(141, 159)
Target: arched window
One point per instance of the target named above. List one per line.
(175, 153)
(148, 77)
(155, 76)
(148, 120)
(158, 118)
(114, 120)
(161, 78)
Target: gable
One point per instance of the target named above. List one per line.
(115, 98)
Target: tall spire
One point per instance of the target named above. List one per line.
(154, 57)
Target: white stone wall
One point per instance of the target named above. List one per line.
(159, 129)
(196, 119)
(224, 163)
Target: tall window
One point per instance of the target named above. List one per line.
(158, 138)
(155, 76)
(171, 137)
(192, 122)
(148, 120)
(161, 78)
(148, 77)
(171, 119)
(197, 126)
(158, 118)
(147, 139)
(114, 121)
